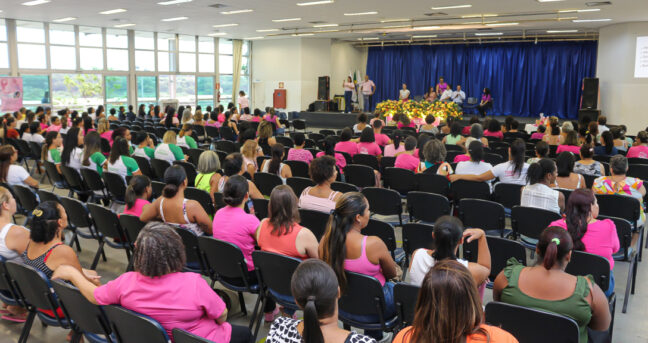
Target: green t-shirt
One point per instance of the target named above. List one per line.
(169, 152)
(145, 152)
(189, 142)
(54, 156)
(97, 161)
(124, 166)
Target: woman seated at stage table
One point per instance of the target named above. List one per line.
(404, 93)
(494, 129)
(345, 144)
(367, 144)
(485, 103)
(570, 144)
(431, 95)
(361, 124)
(435, 153)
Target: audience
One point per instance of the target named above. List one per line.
(607, 147)
(11, 173)
(554, 137)
(345, 144)
(514, 171)
(640, 149)
(395, 147)
(51, 152)
(250, 151)
(298, 153)
(429, 126)
(321, 197)
(92, 156)
(570, 143)
(266, 139)
(541, 151)
(184, 138)
(546, 286)
(454, 137)
(120, 162)
(494, 129)
(274, 165)
(435, 153)
(361, 124)
(618, 138)
(587, 165)
(144, 146)
(406, 159)
(538, 192)
(540, 132)
(476, 165)
(233, 165)
(72, 151)
(367, 144)
(138, 192)
(208, 172)
(566, 178)
(381, 138)
(619, 183)
(168, 150)
(476, 134)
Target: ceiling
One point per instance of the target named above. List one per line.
(532, 17)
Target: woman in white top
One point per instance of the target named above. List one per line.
(187, 116)
(11, 173)
(448, 235)
(475, 166)
(321, 197)
(404, 93)
(274, 165)
(72, 151)
(361, 124)
(539, 193)
(34, 134)
(514, 171)
(120, 162)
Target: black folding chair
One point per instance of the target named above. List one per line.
(364, 296)
(285, 141)
(202, 198)
(501, 250)
(486, 215)
(469, 189)
(401, 180)
(190, 170)
(426, 207)
(79, 217)
(361, 176)
(274, 272)
(298, 168)
(226, 145)
(89, 319)
(507, 194)
(132, 327)
(195, 263)
(109, 231)
(384, 202)
(56, 179)
(44, 195)
(315, 221)
(159, 167)
(144, 166)
(260, 208)
(366, 160)
(8, 294)
(75, 182)
(94, 182)
(182, 336)
(416, 236)
(405, 298)
(433, 183)
(27, 200)
(298, 184)
(529, 222)
(343, 187)
(266, 182)
(385, 232)
(194, 155)
(157, 187)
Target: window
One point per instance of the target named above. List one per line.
(31, 47)
(36, 90)
(181, 87)
(4, 48)
(30, 32)
(146, 89)
(244, 83)
(91, 53)
(226, 68)
(226, 64)
(166, 52)
(205, 90)
(77, 91)
(206, 54)
(187, 56)
(90, 36)
(62, 46)
(144, 53)
(117, 49)
(225, 89)
(117, 89)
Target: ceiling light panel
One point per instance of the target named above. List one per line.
(451, 7)
(124, 25)
(35, 2)
(237, 11)
(268, 30)
(117, 10)
(311, 3)
(173, 2)
(361, 13)
(590, 20)
(489, 33)
(503, 24)
(562, 31)
(285, 20)
(175, 19)
(224, 25)
(326, 25)
(217, 34)
(394, 20)
(252, 38)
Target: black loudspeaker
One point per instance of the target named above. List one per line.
(322, 106)
(589, 98)
(323, 88)
(586, 116)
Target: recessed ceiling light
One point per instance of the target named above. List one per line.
(173, 2)
(310, 3)
(175, 19)
(425, 36)
(451, 7)
(62, 20)
(326, 25)
(502, 24)
(117, 10)
(394, 20)
(237, 11)
(252, 38)
(369, 38)
(589, 20)
(550, 0)
(489, 34)
(35, 2)
(580, 11)
(268, 30)
(561, 31)
(479, 15)
(124, 25)
(361, 13)
(396, 26)
(302, 34)
(216, 34)
(427, 27)
(286, 19)
(224, 25)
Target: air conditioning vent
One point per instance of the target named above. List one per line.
(436, 14)
(316, 22)
(598, 3)
(217, 6)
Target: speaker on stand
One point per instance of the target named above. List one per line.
(323, 88)
(589, 100)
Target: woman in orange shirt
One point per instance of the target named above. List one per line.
(449, 310)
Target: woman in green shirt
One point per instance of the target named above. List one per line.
(51, 153)
(120, 161)
(208, 176)
(144, 145)
(92, 156)
(546, 286)
(185, 139)
(168, 150)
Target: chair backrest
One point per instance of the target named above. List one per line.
(182, 336)
(77, 213)
(48, 196)
(469, 189)
(493, 159)
(361, 176)
(212, 131)
(72, 177)
(159, 167)
(266, 182)
(157, 187)
(433, 183)
(222, 258)
(366, 160)
(115, 184)
(192, 249)
(621, 206)
(105, 221)
(484, 214)
(583, 263)
(201, 197)
(363, 296)
(343, 187)
(405, 297)
(624, 232)
(286, 141)
(226, 145)
(501, 250)
(383, 201)
(5, 281)
(227, 133)
(132, 327)
(508, 194)
(382, 230)
(194, 155)
(298, 168)
(92, 179)
(144, 166)
(531, 221)
(416, 236)
(87, 316)
(522, 322)
(26, 197)
(261, 208)
(427, 207)
(402, 180)
(132, 225)
(33, 286)
(190, 170)
(52, 172)
(298, 184)
(275, 270)
(315, 221)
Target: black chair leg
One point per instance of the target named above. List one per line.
(258, 313)
(27, 327)
(95, 261)
(628, 286)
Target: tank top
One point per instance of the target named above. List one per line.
(4, 251)
(362, 265)
(575, 306)
(203, 181)
(39, 262)
(285, 244)
(266, 167)
(311, 202)
(452, 140)
(193, 227)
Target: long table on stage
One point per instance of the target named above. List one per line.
(328, 120)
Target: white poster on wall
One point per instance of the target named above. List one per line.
(641, 59)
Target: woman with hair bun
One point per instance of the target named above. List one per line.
(538, 193)
(174, 209)
(546, 286)
(137, 194)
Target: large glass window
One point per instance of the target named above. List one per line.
(144, 51)
(30, 32)
(146, 89)
(166, 45)
(117, 89)
(225, 68)
(181, 87)
(62, 51)
(244, 83)
(187, 56)
(31, 49)
(77, 91)
(36, 90)
(91, 53)
(205, 90)
(225, 89)
(90, 36)
(117, 49)
(4, 48)
(206, 54)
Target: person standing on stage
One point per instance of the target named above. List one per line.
(441, 86)
(458, 96)
(485, 103)
(404, 93)
(348, 94)
(368, 88)
(447, 94)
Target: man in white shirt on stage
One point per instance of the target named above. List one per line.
(458, 96)
(368, 88)
(404, 93)
(447, 94)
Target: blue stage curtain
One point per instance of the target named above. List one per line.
(524, 78)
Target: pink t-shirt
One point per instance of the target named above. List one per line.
(256, 119)
(400, 125)
(600, 239)
(176, 300)
(461, 158)
(340, 161)
(243, 102)
(299, 155)
(390, 151)
(407, 161)
(537, 135)
(381, 139)
(369, 149)
(54, 128)
(232, 224)
(107, 135)
(221, 117)
(136, 210)
(349, 147)
(497, 134)
(571, 148)
(640, 151)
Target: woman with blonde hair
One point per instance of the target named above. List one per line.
(184, 138)
(168, 150)
(198, 118)
(208, 176)
(187, 116)
(265, 138)
(250, 151)
(103, 127)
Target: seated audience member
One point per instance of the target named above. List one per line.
(144, 146)
(233, 165)
(640, 149)
(566, 178)
(618, 138)
(565, 129)
(51, 146)
(546, 286)
(168, 150)
(274, 119)
(120, 162)
(138, 192)
(298, 153)
(381, 138)
(274, 165)
(405, 121)
(607, 147)
(396, 146)
(466, 129)
(281, 233)
(624, 131)
(449, 235)
(11, 173)
(103, 127)
(434, 153)
(208, 172)
(344, 247)
(367, 144)
(619, 183)
(476, 165)
(345, 144)
(361, 124)
(593, 134)
(159, 289)
(449, 309)
(476, 134)
(587, 165)
(213, 120)
(315, 289)
(329, 150)
(454, 137)
(570, 143)
(514, 171)
(34, 134)
(594, 236)
(72, 151)
(174, 209)
(540, 132)
(429, 126)
(232, 224)
(184, 138)
(494, 129)
(538, 192)
(602, 124)
(10, 128)
(122, 132)
(407, 159)
(266, 139)
(250, 151)
(92, 156)
(554, 137)
(321, 197)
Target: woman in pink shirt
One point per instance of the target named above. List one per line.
(594, 236)
(104, 130)
(570, 144)
(641, 148)
(137, 194)
(298, 153)
(159, 289)
(329, 150)
(406, 159)
(345, 144)
(404, 121)
(367, 144)
(494, 129)
(397, 146)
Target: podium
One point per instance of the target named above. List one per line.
(279, 98)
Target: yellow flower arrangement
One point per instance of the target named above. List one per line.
(419, 109)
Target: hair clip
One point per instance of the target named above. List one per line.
(556, 240)
(37, 212)
(310, 298)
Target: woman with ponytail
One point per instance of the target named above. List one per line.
(137, 194)
(344, 247)
(185, 139)
(594, 236)
(539, 193)
(51, 152)
(274, 165)
(607, 147)
(546, 286)
(587, 165)
(72, 151)
(514, 171)
(174, 209)
(315, 289)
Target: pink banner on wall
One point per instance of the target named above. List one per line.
(11, 93)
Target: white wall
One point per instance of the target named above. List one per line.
(316, 62)
(623, 96)
(345, 59)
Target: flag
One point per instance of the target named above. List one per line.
(354, 96)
